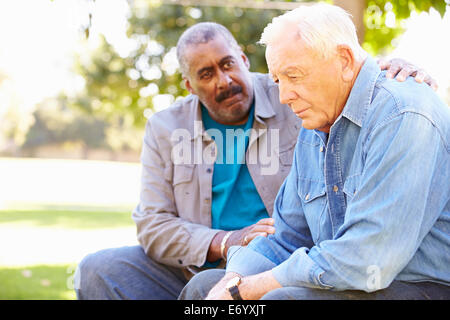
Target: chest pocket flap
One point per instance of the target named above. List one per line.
(308, 189)
(182, 173)
(351, 185)
(287, 155)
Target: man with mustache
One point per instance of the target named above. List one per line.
(191, 211)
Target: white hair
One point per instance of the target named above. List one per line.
(321, 26)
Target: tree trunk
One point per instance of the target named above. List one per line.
(356, 8)
(85, 151)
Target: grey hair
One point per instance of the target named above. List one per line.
(202, 32)
(321, 26)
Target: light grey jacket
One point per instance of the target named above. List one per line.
(173, 217)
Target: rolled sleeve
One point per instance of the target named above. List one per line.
(300, 271)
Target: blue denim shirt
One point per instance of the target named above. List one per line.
(367, 203)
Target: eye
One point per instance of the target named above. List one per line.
(206, 75)
(228, 64)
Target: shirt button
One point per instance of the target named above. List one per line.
(209, 170)
(321, 149)
(335, 189)
(207, 200)
(307, 197)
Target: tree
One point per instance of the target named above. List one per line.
(127, 88)
(124, 89)
(55, 123)
(379, 22)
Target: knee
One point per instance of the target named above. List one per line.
(286, 293)
(303, 293)
(96, 267)
(89, 269)
(199, 286)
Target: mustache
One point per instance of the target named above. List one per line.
(228, 93)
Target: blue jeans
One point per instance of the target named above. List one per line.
(201, 283)
(126, 273)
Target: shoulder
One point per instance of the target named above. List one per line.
(264, 80)
(393, 99)
(269, 90)
(269, 87)
(174, 117)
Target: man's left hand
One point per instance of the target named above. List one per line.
(401, 69)
(251, 287)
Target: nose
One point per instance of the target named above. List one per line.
(224, 80)
(286, 94)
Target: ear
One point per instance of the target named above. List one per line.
(188, 85)
(246, 60)
(347, 62)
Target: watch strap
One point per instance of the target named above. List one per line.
(234, 291)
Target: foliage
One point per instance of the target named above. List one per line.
(384, 21)
(55, 123)
(129, 89)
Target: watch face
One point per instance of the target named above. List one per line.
(233, 282)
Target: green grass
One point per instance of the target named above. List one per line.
(69, 219)
(43, 281)
(37, 283)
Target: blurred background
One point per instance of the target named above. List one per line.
(78, 80)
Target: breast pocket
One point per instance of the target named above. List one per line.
(182, 174)
(287, 155)
(312, 194)
(351, 186)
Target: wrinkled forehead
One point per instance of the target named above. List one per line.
(209, 53)
(289, 51)
(281, 49)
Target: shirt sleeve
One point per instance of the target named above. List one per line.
(393, 206)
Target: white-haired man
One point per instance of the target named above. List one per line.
(364, 212)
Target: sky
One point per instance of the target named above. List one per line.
(39, 38)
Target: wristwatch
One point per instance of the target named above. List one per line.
(232, 287)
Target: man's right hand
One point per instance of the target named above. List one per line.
(240, 237)
(243, 237)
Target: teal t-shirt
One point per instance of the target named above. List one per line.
(235, 201)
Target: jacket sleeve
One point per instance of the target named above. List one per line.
(164, 236)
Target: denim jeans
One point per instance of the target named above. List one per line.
(126, 273)
(201, 283)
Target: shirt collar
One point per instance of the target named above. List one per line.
(361, 94)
